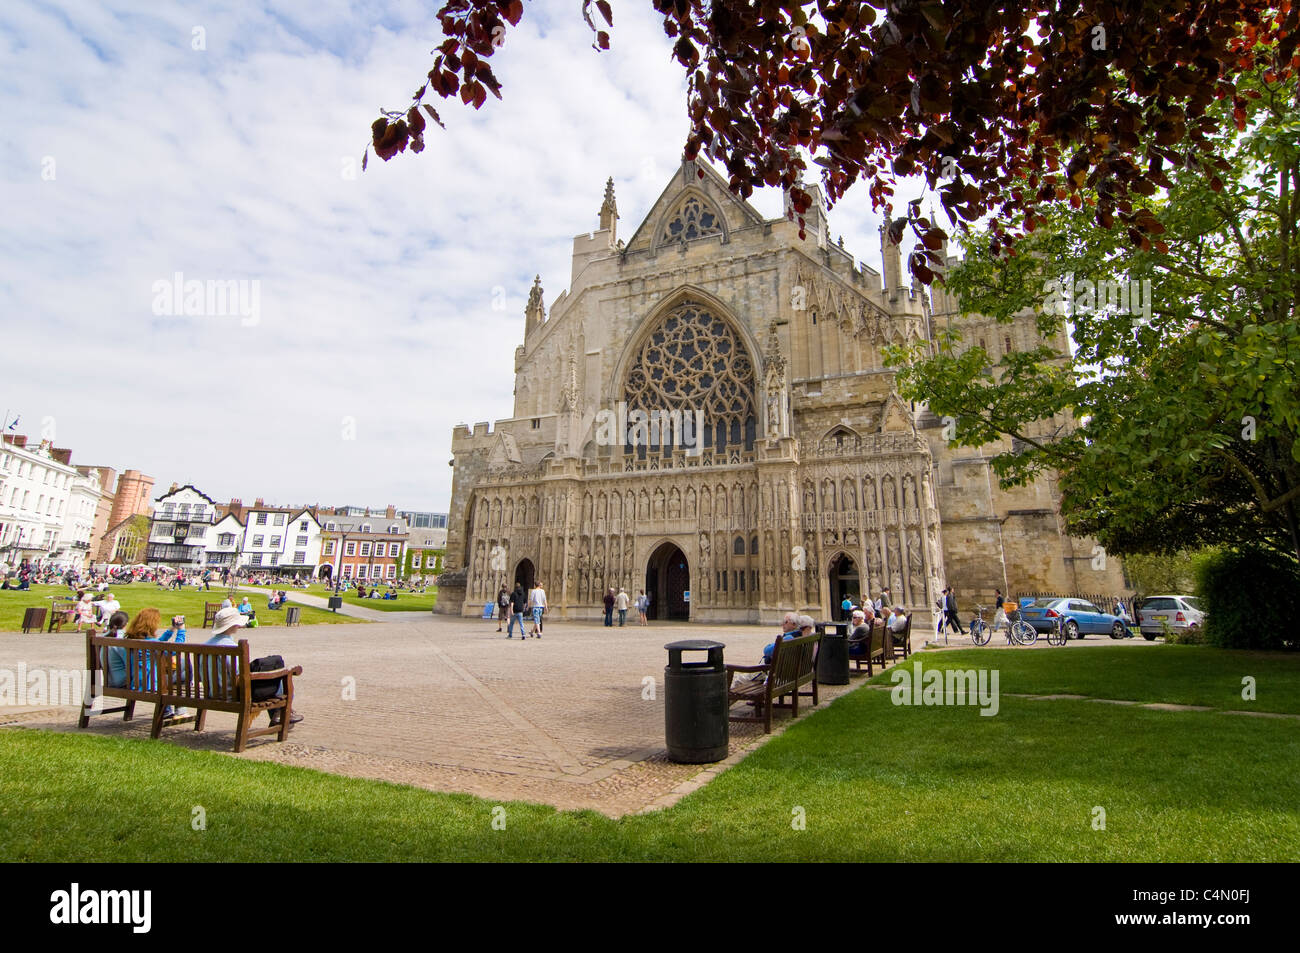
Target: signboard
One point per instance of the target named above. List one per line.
(686, 596)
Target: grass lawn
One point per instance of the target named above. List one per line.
(137, 596)
(1179, 674)
(405, 601)
(872, 780)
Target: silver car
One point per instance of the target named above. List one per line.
(1180, 613)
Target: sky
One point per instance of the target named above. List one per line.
(369, 312)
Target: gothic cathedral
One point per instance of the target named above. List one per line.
(705, 414)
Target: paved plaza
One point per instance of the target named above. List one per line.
(447, 704)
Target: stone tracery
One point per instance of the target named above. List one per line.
(694, 360)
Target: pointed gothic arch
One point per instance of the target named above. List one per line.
(690, 354)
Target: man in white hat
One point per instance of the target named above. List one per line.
(227, 622)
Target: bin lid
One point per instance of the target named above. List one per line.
(695, 645)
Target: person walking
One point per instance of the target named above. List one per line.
(950, 611)
(503, 607)
(642, 604)
(609, 608)
(518, 602)
(621, 603)
(537, 602)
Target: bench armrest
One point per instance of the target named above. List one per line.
(277, 673)
(748, 668)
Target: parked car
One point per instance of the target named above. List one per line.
(1077, 617)
(1182, 613)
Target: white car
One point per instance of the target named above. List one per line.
(1181, 613)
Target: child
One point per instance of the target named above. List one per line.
(85, 611)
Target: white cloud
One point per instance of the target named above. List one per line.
(376, 292)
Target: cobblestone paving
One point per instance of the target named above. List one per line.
(448, 704)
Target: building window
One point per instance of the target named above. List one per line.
(394, 549)
(302, 527)
(301, 541)
(392, 527)
(261, 519)
(329, 548)
(693, 220)
(347, 571)
(329, 527)
(415, 561)
(275, 541)
(365, 549)
(258, 540)
(275, 559)
(279, 519)
(365, 527)
(392, 571)
(361, 572)
(299, 557)
(537, 423)
(350, 549)
(226, 539)
(256, 559)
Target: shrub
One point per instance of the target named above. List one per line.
(1250, 597)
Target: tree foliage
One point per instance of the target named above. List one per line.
(1174, 422)
(1249, 597)
(1006, 109)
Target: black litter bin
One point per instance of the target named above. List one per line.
(833, 653)
(695, 703)
(335, 602)
(292, 615)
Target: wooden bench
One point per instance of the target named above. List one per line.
(870, 649)
(900, 642)
(793, 665)
(62, 612)
(210, 610)
(202, 677)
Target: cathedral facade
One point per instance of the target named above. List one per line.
(706, 414)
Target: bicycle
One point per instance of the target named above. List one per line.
(1018, 632)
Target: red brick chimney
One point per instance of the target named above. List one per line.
(62, 454)
(391, 511)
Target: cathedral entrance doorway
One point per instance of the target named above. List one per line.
(667, 581)
(844, 581)
(525, 574)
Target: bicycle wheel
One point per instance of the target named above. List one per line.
(1056, 637)
(979, 632)
(1024, 633)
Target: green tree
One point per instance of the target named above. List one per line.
(978, 97)
(1173, 423)
(1153, 573)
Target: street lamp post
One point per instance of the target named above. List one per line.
(338, 563)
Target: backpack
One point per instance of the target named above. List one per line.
(264, 691)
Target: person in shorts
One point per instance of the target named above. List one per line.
(537, 602)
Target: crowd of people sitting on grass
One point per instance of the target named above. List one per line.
(125, 672)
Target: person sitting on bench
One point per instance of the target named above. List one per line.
(223, 631)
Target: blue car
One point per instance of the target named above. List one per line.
(1077, 618)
